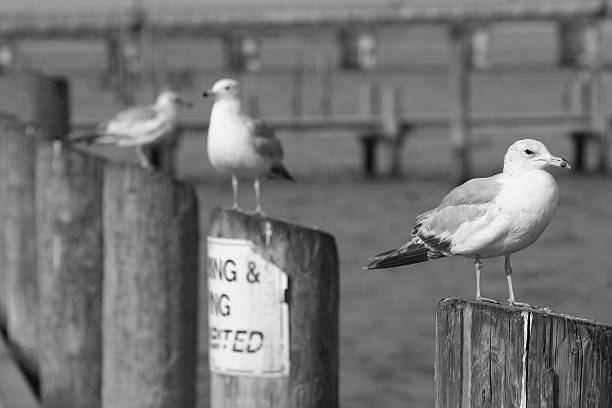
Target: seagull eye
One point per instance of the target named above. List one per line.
(227, 88)
(528, 152)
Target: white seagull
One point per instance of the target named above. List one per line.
(487, 217)
(240, 145)
(140, 126)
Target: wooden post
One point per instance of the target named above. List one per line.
(17, 212)
(297, 89)
(357, 49)
(113, 61)
(69, 240)
(44, 109)
(370, 108)
(498, 356)
(48, 107)
(150, 290)
(391, 110)
(324, 73)
(461, 100)
(309, 257)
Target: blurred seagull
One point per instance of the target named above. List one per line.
(240, 145)
(140, 126)
(487, 217)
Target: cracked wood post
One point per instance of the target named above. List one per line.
(499, 356)
(41, 105)
(309, 257)
(150, 303)
(461, 101)
(69, 234)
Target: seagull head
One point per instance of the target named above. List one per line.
(226, 88)
(530, 154)
(170, 99)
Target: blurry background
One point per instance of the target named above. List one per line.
(387, 317)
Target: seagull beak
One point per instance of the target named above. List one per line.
(559, 162)
(207, 93)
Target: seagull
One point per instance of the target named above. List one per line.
(240, 145)
(487, 217)
(140, 126)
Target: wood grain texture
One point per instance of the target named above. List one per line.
(516, 357)
(70, 263)
(310, 259)
(150, 290)
(17, 158)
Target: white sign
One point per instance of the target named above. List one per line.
(248, 317)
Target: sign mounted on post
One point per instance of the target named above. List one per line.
(248, 317)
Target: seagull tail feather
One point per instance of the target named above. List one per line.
(279, 170)
(413, 253)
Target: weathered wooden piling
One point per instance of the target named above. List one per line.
(70, 263)
(17, 214)
(307, 377)
(460, 101)
(325, 84)
(498, 356)
(150, 290)
(41, 108)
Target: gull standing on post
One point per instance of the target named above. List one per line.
(140, 126)
(487, 217)
(240, 145)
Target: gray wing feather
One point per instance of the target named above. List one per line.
(264, 140)
(136, 113)
(465, 202)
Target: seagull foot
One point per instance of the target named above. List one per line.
(260, 212)
(484, 299)
(514, 303)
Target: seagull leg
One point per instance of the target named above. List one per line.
(143, 159)
(257, 189)
(478, 267)
(236, 206)
(511, 300)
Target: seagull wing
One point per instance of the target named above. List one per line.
(466, 213)
(461, 213)
(264, 140)
(267, 145)
(132, 122)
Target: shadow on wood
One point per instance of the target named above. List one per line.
(15, 392)
(309, 257)
(499, 356)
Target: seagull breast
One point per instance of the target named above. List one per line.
(527, 203)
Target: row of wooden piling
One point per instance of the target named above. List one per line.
(100, 267)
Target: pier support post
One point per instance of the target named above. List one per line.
(150, 290)
(499, 356)
(298, 369)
